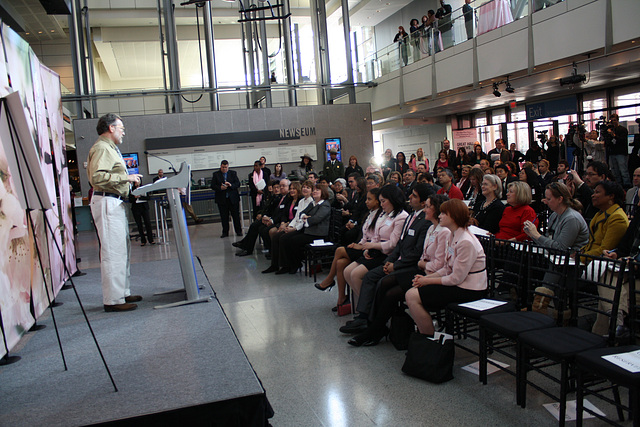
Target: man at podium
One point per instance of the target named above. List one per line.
(107, 173)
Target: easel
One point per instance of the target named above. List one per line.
(32, 193)
(182, 179)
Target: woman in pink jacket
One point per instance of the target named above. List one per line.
(462, 278)
(346, 254)
(386, 236)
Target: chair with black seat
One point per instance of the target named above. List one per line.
(316, 256)
(592, 369)
(546, 269)
(505, 267)
(560, 345)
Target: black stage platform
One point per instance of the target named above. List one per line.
(176, 365)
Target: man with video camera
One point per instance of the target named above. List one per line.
(615, 139)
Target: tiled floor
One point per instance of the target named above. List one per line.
(311, 375)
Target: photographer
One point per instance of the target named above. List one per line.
(618, 148)
(594, 148)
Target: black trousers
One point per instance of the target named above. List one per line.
(292, 249)
(275, 248)
(140, 212)
(390, 292)
(226, 207)
(257, 228)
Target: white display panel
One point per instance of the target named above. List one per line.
(203, 158)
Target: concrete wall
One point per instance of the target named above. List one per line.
(350, 122)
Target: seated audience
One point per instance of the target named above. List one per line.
(463, 182)
(406, 254)
(387, 233)
(517, 212)
(610, 223)
(487, 212)
(258, 227)
(502, 171)
(445, 177)
(566, 229)
(530, 177)
(462, 278)
(393, 287)
(346, 255)
(474, 192)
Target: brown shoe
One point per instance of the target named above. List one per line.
(541, 302)
(133, 298)
(120, 307)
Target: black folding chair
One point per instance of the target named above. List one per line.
(546, 277)
(316, 256)
(505, 267)
(560, 345)
(591, 366)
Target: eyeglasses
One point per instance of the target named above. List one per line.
(118, 127)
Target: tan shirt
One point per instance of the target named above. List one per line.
(106, 169)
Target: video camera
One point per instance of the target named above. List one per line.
(602, 126)
(577, 128)
(542, 136)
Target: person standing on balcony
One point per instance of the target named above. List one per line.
(402, 39)
(467, 11)
(443, 15)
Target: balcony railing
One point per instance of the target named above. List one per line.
(445, 33)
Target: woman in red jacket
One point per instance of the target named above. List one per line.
(517, 212)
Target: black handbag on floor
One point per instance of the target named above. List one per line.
(430, 359)
(402, 326)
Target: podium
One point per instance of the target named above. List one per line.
(181, 180)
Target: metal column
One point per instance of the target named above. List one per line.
(288, 54)
(266, 74)
(346, 25)
(172, 54)
(92, 77)
(78, 82)
(211, 60)
(319, 25)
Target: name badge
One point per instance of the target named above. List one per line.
(388, 222)
(450, 250)
(281, 206)
(411, 232)
(432, 239)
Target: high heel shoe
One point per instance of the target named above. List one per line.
(337, 306)
(327, 289)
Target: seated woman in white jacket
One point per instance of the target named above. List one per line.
(462, 278)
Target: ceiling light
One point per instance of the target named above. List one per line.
(496, 92)
(509, 89)
(39, 32)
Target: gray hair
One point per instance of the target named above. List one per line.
(493, 179)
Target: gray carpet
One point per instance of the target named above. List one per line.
(160, 359)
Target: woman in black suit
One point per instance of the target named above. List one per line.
(353, 167)
(316, 216)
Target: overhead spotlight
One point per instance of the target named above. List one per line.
(509, 89)
(496, 92)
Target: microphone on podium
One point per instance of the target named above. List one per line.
(163, 159)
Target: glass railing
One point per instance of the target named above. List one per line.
(461, 25)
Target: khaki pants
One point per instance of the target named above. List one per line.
(111, 223)
(601, 325)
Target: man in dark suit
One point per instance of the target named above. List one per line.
(409, 183)
(225, 183)
(405, 255)
(499, 153)
(333, 168)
